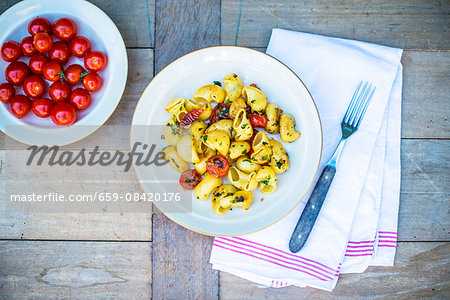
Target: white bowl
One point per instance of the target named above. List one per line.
(184, 76)
(92, 23)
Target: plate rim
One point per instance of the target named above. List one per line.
(61, 129)
(317, 113)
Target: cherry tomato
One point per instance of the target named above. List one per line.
(7, 92)
(34, 86)
(220, 111)
(20, 106)
(80, 46)
(80, 98)
(257, 120)
(37, 63)
(43, 42)
(95, 61)
(60, 52)
(189, 179)
(73, 74)
(42, 107)
(51, 71)
(27, 46)
(64, 29)
(11, 51)
(39, 25)
(16, 72)
(92, 82)
(63, 114)
(217, 166)
(60, 91)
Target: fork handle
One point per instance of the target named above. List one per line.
(312, 209)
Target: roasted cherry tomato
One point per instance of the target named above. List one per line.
(20, 106)
(217, 166)
(42, 107)
(80, 46)
(60, 91)
(51, 71)
(73, 74)
(257, 120)
(34, 86)
(27, 46)
(190, 117)
(11, 51)
(189, 179)
(37, 63)
(92, 82)
(39, 25)
(95, 61)
(16, 72)
(250, 141)
(64, 29)
(7, 92)
(60, 52)
(220, 111)
(42, 42)
(63, 114)
(80, 98)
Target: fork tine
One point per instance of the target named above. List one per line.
(355, 108)
(352, 102)
(360, 107)
(366, 104)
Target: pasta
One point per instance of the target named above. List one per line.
(228, 138)
(287, 129)
(222, 197)
(241, 180)
(238, 149)
(209, 93)
(171, 132)
(233, 87)
(255, 98)
(206, 186)
(175, 161)
(267, 178)
(217, 140)
(242, 126)
(176, 108)
(273, 118)
(206, 106)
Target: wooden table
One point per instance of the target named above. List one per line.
(137, 256)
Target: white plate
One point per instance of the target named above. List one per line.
(184, 76)
(92, 23)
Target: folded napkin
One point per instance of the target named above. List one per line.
(358, 221)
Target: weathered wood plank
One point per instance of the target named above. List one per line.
(421, 270)
(409, 24)
(75, 270)
(135, 19)
(426, 108)
(180, 256)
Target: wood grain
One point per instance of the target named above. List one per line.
(408, 24)
(75, 270)
(421, 270)
(180, 256)
(134, 19)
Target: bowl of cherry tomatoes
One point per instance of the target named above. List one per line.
(63, 70)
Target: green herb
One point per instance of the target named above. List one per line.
(204, 137)
(181, 108)
(279, 164)
(228, 102)
(238, 199)
(264, 158)
(244, 151)
(217, 83)
(244, 125)
(252, 101)
(217, 194)
(265, 181)
(220, 144)
(265, 143)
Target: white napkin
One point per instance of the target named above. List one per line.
(331, 68)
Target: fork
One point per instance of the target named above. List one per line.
(350, 123)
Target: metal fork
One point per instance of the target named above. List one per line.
(350, 123)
